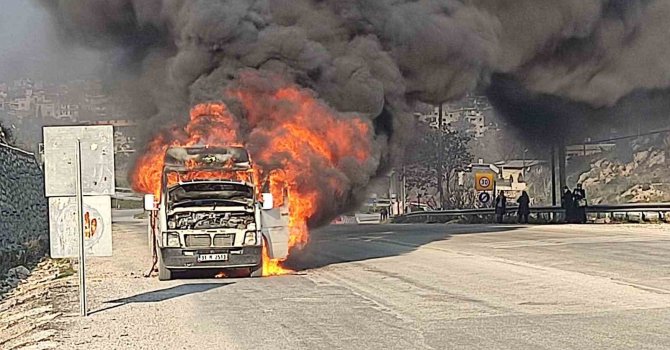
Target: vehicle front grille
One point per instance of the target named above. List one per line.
(226, 240)
(198, 240)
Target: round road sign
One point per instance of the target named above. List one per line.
(484, 197)
(484, 182)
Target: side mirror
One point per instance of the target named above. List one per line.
(268, 201)
(149, 203)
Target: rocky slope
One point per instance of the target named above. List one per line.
(639, 177)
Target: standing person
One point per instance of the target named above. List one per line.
(384, 213)
(524, 208)
(580, 204)
(568, 204)
(501, 206)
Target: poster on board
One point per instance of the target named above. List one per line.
(63, 226)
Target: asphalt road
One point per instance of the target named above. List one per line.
(401, 287)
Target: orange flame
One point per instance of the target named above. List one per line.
(210, 124)
(272, 267)
(297, 142)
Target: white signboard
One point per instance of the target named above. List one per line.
(97, 226)
(97, 155)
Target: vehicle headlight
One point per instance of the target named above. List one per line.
(250, 238)
(172, 224)
(171, 239)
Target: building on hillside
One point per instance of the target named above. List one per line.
(125, 134)
(46, 109)
(516, 172)
(20, 104)
(468, 115)
(67, 112)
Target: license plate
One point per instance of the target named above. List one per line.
(212, 257)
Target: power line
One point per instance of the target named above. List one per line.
(627, 137)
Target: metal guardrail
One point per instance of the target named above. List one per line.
(127, 194)
(363, 219)
(659, 208)
(124, 190)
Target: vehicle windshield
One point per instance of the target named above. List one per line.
(213, 191)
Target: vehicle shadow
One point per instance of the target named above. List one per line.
(160, 295)
(349, 243)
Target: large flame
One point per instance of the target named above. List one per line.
(297, 144)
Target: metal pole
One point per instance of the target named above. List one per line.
(495, 185)
(440, 160)
(404, 190)
(562, 164)
(553, 175)
(80, 230)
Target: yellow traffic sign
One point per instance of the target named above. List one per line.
(484, 181)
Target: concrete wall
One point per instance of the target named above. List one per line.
(24, 220)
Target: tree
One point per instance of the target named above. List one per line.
(501, 144)
(434, 157)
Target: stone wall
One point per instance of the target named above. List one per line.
(24, 220)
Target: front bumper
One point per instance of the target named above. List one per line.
(187, 258)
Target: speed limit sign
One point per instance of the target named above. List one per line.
(483, 181)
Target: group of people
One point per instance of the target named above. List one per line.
(574, 203)
(523, 211)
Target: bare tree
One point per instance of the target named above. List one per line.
(433, 160)
(500, 144)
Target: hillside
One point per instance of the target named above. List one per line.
(633, 174)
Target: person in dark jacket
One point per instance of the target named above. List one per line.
(501, 207)
(524, 208)
(579, 195)
(568, 204)
(384, 214)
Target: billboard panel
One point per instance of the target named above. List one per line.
(97, 154)
(97, 226)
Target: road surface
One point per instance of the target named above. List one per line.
(399, 287)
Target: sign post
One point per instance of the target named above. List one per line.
(80, 231)
(79, 194)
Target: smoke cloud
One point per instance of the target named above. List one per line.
(28, 48)
(378, 58)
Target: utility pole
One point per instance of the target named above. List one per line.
(404, 190)
(440, 160)
(562, 177)
(553, 174)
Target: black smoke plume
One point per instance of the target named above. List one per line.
(542, 60)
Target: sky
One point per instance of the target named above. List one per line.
(29, 47)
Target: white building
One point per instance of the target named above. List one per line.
(467, 115)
